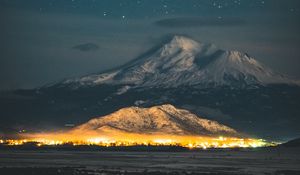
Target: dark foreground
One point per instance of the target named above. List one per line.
(268, 161)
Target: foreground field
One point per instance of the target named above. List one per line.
(281, 161)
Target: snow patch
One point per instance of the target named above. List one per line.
(123, 90)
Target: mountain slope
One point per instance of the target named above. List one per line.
(292, 143)
(183, 61)
(164, 119)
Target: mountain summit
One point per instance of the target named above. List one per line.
(183, 61)
(159, 120)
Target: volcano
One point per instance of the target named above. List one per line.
(184, 61)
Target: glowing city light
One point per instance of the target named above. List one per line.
(183, 141)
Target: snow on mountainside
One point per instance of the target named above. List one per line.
(164, 119)
(183, 61)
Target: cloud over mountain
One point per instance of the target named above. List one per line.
(86, 47)
(199, 22)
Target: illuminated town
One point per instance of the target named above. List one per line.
(188, 142)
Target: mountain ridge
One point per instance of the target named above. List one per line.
(163, 119)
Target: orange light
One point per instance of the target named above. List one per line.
(139, 139)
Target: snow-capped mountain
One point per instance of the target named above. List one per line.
(183, 61)
(163, 119)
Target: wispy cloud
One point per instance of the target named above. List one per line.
(199, 22)
(86, 47)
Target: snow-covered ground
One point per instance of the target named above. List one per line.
(261, 161)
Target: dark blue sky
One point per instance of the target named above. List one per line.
(48, 40)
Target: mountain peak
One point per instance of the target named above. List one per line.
(182, 43)
(163, 120)
(167, 107)
(183, 61)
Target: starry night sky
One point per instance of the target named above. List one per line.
(48, 40)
